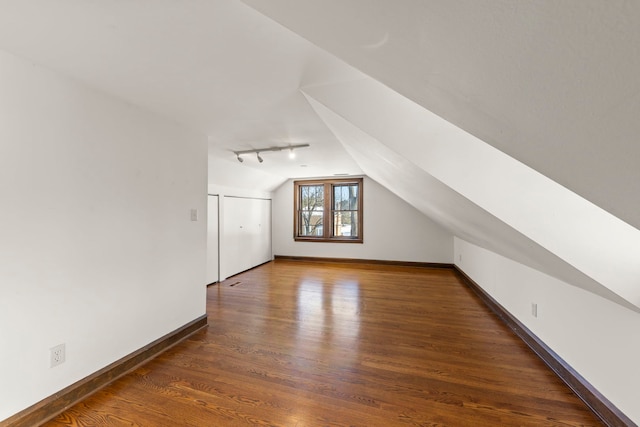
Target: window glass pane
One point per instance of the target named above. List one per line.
(353, 197)
(311, 210)
(345, 197)
(353, 220)
(345, 223)
(345, 210)
(310, 223)
(338, 197)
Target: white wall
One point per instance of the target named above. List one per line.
(393, 230)
(598, 338)
(97, 249)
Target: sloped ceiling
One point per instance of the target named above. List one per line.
(553, 85)
(479, 193)
(511, 123)
(556, 85)
(449, 208)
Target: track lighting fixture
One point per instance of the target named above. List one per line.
(262, 150)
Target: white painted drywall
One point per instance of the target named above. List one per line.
(598, 338)
(97, 247)
(228, 176)
(213, 273)
(393, 230)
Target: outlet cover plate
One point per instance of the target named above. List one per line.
(58, 355)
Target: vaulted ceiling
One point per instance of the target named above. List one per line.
(512, 124)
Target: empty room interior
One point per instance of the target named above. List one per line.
(309, 213)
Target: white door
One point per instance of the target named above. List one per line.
(246, 234)
(212, 240)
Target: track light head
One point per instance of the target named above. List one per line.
(292, 155)
(240, 159)
(259, 158)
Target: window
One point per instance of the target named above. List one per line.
(328, 210)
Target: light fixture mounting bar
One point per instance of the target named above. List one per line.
(262, 150)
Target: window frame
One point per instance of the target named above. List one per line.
(327, 223)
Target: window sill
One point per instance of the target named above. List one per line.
(323, 240)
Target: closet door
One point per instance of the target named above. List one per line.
(213, 238)
(247, 234)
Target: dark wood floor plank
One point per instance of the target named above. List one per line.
(295, 343)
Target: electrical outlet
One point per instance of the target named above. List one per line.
(194, 214)
(534, 309)
(57, 355)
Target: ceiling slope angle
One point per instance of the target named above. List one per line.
(586, 238)
(555, 85)
(450, 209)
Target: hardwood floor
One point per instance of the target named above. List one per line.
(309, 344)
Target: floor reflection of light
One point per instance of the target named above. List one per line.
(345, 303)
(328, 322)
(310, 309)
